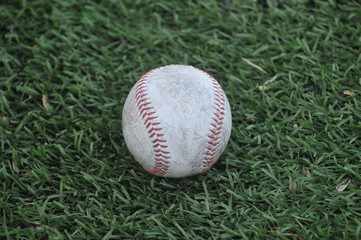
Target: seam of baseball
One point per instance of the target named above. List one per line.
(216, 125)
(152, 124)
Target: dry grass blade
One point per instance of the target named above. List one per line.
(253, 65)
(343, 185)
(46, 104)
(291, 235)
(39, 228)
(348, 93)
(299, 223)
(270, 80)
(288, 235)
(308, 174)
(293, 186)
(211, 70)
(15, 167)
(263, 87)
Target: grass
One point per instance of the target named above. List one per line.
(66, 173)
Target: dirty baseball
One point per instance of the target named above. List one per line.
(176, 121)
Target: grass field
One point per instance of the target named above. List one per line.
(66, 68)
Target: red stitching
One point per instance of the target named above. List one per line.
(142, 100)
(160, 155)
(219, 106)
(145, 107)
(149, 118)
(158, 135)
(140, 91)
(213, 138)
(159, 140)
(141, 85)
(220, 101)
(215, 132)
(143, 104)
(216, 125)
(220, 110)
(161, 151)
(147, 114)
(159, 145)
(140, 96)
(217, 121)
(213, 143)
(153, 124)
(210, 153)
(154, 129)
(211, 149)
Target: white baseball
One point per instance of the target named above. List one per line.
(176, 121)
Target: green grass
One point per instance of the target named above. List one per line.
(67, 174)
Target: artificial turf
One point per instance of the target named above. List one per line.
(66, 68)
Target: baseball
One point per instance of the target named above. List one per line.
(176, 121)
